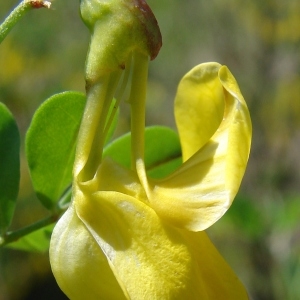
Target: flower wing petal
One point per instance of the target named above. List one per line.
(203, 188)
(151, 259)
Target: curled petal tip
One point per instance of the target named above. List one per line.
(215, 133)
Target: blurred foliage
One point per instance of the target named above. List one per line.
(260, 43)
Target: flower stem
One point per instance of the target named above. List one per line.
(62, 205)
(18, 13)
(13, 236)
(91, 137)
(137, 100)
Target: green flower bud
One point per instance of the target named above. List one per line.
(118, 28)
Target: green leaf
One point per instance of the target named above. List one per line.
(162, 151)
(50, 145)
(51, 142)
(9, 166)
(37, 241)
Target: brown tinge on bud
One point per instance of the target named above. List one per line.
(40, 4)
(144, 13)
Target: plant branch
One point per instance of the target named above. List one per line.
(18, 13)
(13, 236)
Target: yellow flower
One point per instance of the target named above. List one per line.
(128, 236)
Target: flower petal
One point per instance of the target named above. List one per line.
(153, 260)
(219, 279)
(107, 233)
(203, 188)
(150, 262)
(74, 255)
(199, 107)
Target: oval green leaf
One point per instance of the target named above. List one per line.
(9, 166)
(162, 151)
(50, 145)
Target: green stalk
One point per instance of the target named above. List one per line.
(18, 13)
(119, 96)
(91, 137)
(13, 236)
(137, 100)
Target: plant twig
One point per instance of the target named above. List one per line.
(13, 236)
(18, 13)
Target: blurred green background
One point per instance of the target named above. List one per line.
(260, 42)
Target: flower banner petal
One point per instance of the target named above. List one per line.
(203, 188)
(199, 107)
